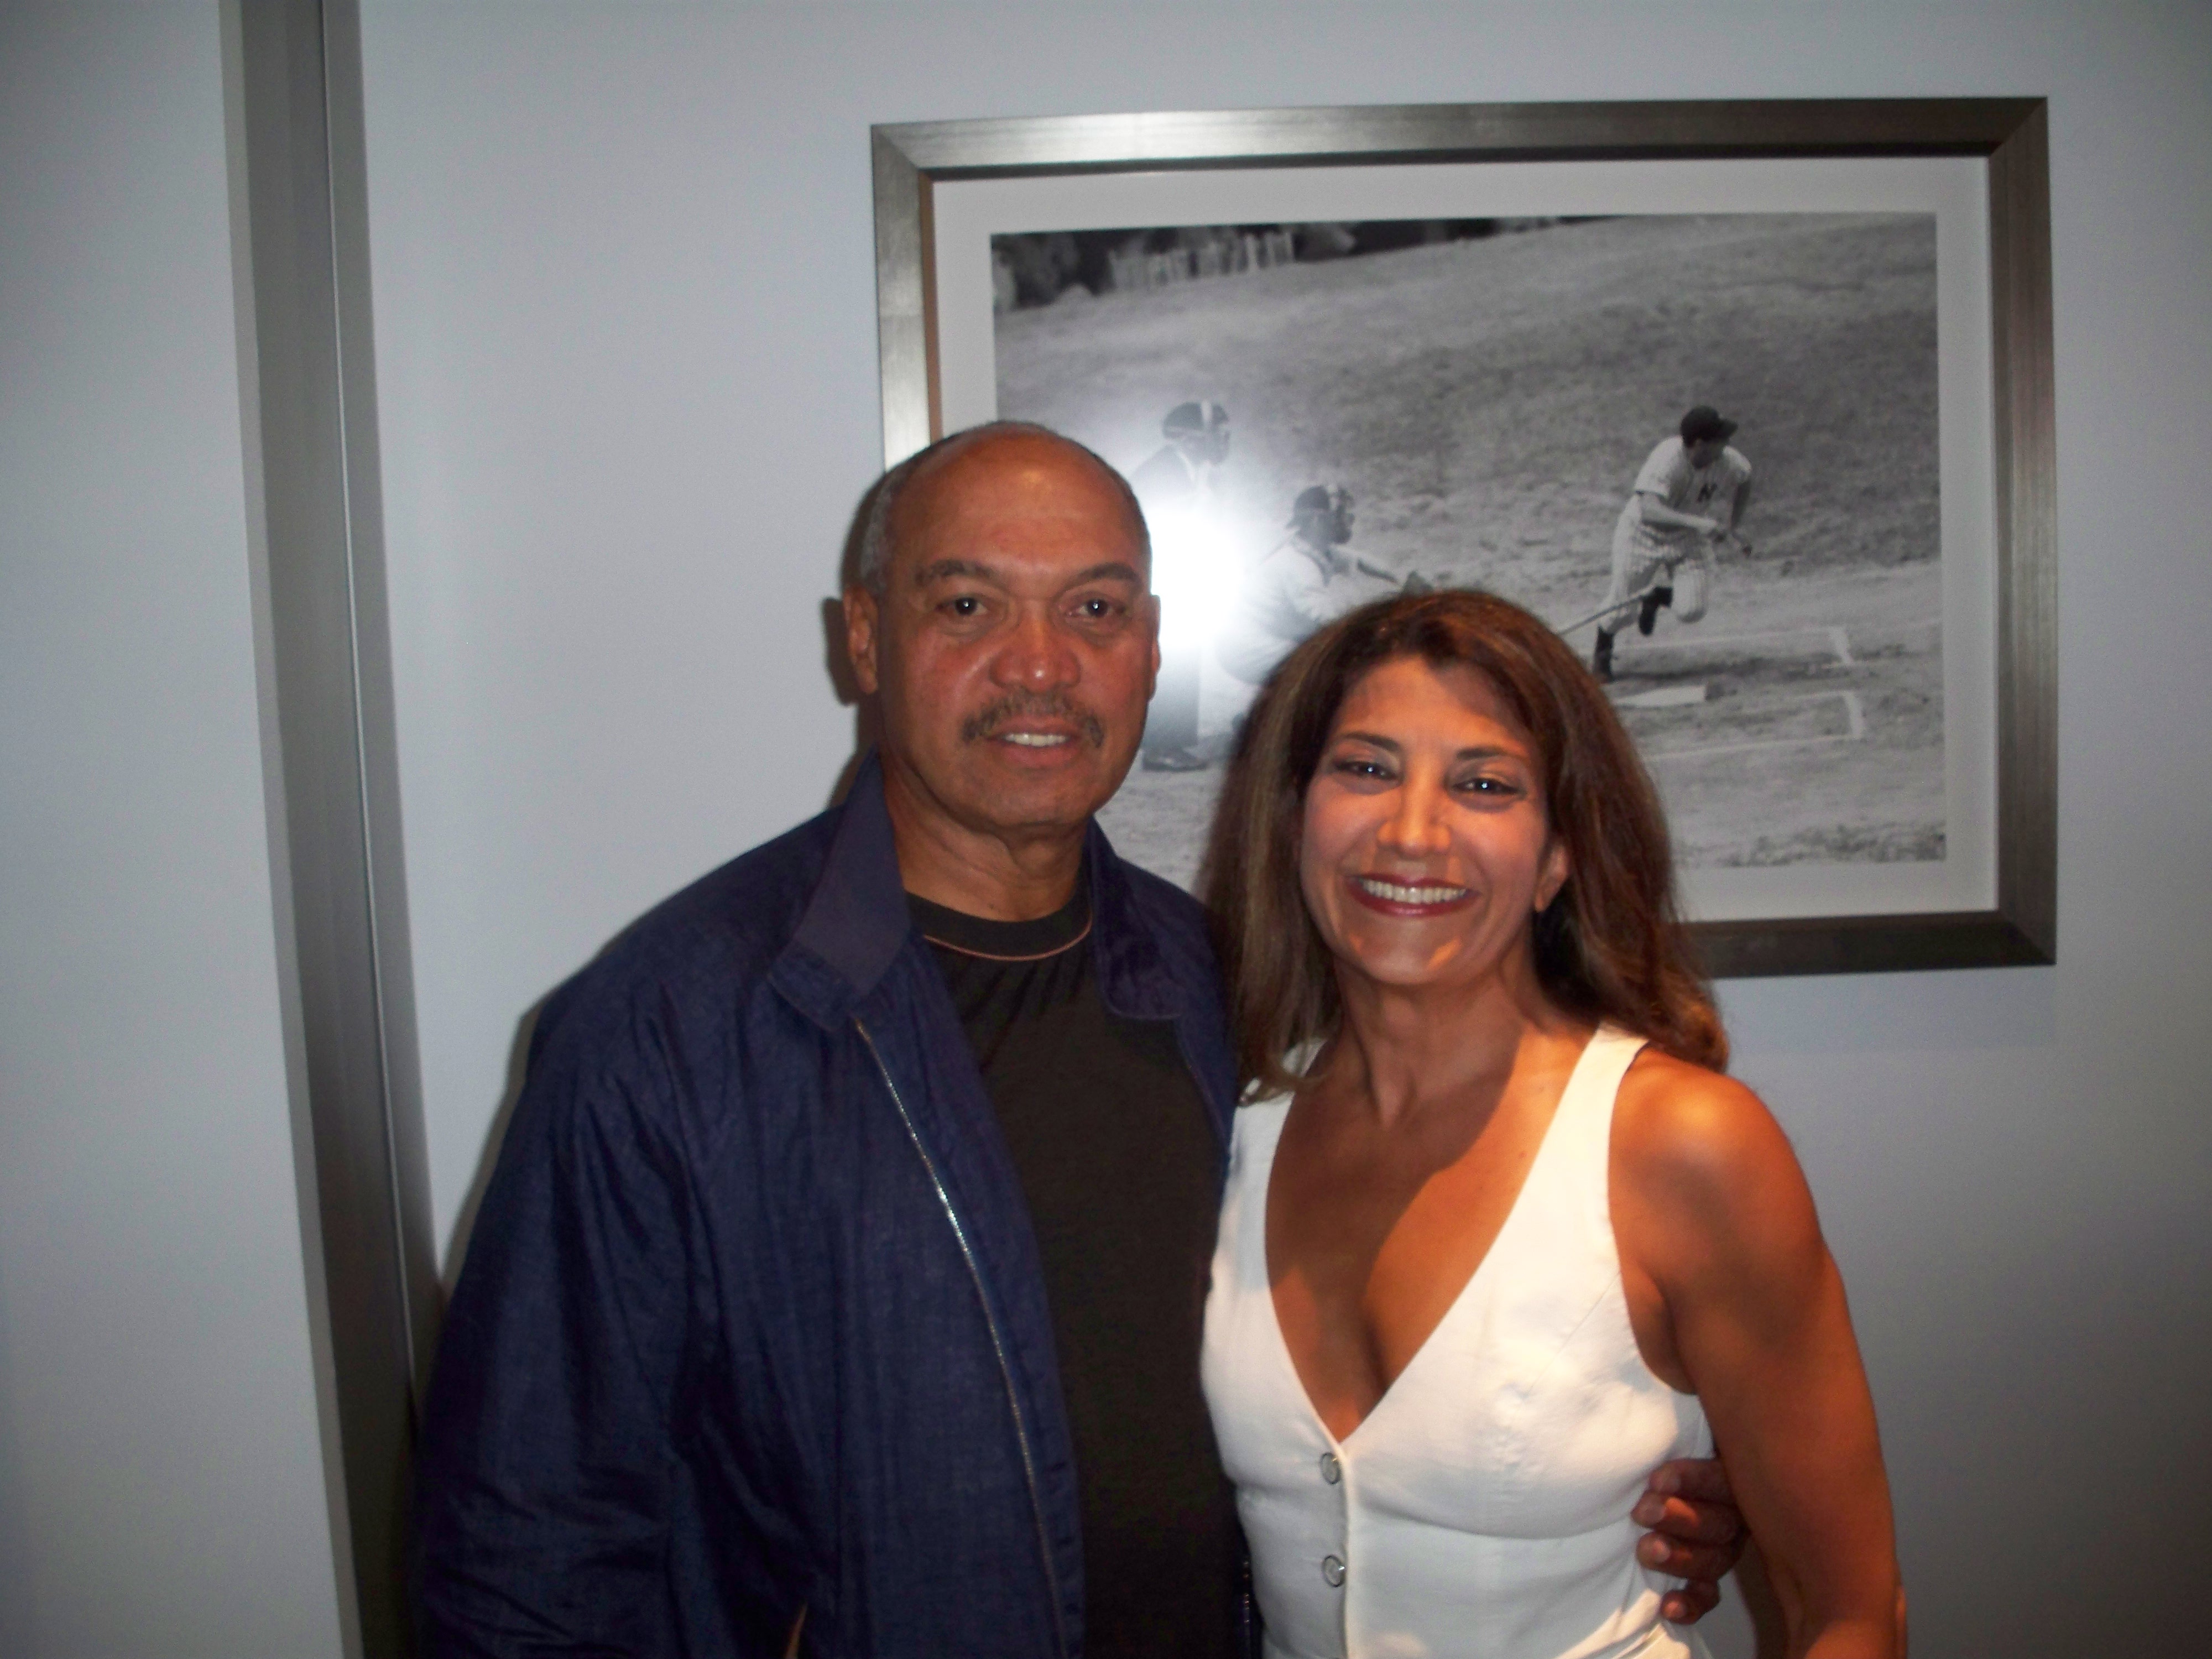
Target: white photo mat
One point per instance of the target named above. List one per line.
(1952, 189)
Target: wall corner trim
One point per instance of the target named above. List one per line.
(299, 255)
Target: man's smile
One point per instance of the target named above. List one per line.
(1027, 722)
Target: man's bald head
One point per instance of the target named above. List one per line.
(879, 535)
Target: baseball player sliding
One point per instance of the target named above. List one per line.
(1688, 500)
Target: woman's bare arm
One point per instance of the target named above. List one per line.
(1733, 1293)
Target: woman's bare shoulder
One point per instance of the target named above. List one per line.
(1697, 1148)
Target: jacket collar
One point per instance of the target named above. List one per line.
(1133, 977)
(856, 920)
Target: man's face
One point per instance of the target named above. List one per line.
(1014, 647)
(1203, 448)
(1326, 527)
(1706, 451)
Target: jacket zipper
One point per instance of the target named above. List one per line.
(991, 1323)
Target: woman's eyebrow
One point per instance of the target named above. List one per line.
(1475, 751)
(1372, 739)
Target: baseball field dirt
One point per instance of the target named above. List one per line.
(1488, 403)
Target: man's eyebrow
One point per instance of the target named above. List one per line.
(1113, 570)
(945, 569)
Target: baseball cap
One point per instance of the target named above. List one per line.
(1705, 421)
(1193, 418)
(1314, 498)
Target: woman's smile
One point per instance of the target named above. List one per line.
(1404, 896)
(1425, 850)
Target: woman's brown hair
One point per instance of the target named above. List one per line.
(1610, 946)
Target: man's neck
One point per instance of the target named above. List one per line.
(999, 878)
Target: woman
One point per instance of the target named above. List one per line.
(1499, 1236)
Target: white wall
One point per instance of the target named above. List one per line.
(160, 1470)
(627, 368)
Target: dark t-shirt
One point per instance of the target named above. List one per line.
(1117, 1160)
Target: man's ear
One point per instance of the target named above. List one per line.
(1152, 606)
(862, 612)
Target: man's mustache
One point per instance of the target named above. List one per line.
(993, 718)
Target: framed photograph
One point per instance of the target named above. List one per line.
(1751, 401)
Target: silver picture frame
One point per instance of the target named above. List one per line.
(2010, 134)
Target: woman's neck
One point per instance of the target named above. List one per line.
(1410, 1048)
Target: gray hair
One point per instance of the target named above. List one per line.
(871, 566)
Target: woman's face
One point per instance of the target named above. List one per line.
(1424, 852)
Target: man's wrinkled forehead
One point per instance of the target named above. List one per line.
(960, 483)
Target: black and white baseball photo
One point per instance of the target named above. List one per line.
(1705, 448)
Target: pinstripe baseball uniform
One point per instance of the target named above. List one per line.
(1642, 551)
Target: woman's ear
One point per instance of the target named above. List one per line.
(1552, 874)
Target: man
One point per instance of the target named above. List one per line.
(1187, 466)
(1693, 489)
(1179, 487)
(1306, 581)
(838, 1288)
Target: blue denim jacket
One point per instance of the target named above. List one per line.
(753, 1324)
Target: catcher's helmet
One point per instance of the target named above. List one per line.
(1330, 508)
(1195, 417)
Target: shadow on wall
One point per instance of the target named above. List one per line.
(518, 1062)
(837, 664)
(836, 660)
(1985, 1009)
(18, 1632)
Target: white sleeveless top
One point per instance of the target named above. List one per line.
(1481, 1508)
